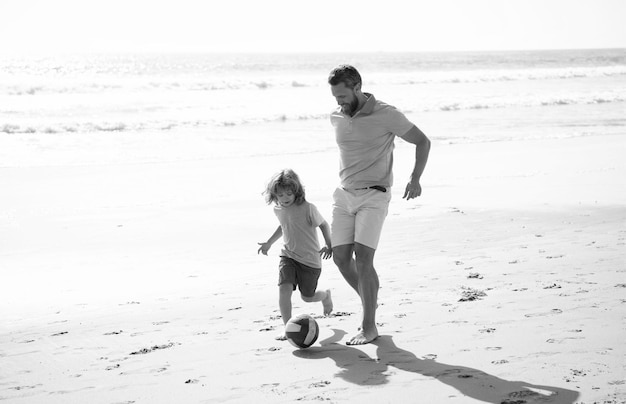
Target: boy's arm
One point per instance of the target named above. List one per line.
(265, 247)
(327, 250)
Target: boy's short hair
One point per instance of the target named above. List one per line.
(285, 179)
(345, 74)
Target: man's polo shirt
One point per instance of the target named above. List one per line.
(366, 143)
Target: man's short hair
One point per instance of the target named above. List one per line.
(345, 74)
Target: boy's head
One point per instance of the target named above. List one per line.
(284, 182)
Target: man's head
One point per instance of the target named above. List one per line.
(345, 74)
(345, 82)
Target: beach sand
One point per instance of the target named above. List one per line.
(139, 282)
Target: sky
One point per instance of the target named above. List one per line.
(69, 26)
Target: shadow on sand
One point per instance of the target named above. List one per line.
(358, 367)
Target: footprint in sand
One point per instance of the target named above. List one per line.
(152, 349)
(340, 314)
(562, 340)
(271, 388)
(18, 388)
(522, 395)
(574, 376)
(546, 313)
(469, 294)
(323, 383)
(262, 351)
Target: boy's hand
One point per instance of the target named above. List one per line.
(326, 252)
(265, 247)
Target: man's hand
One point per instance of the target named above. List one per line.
(413, 190)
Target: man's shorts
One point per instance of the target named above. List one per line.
(358, 216)
(296, 273)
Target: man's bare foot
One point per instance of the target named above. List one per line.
(281, 337)
(328, 303)
(363, 338)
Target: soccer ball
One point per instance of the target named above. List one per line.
(302, 331)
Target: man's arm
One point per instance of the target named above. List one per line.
(422, 150)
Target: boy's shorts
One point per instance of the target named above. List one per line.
(358, 216)
(296, 273)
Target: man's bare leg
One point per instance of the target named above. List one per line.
(362, 276)
(343, 256)
(368, 290)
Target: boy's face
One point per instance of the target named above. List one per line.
(285, 196)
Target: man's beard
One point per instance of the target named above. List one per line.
(350, 109)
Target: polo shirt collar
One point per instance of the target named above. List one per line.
(368, 107)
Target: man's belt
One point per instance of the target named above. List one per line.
(376, 187)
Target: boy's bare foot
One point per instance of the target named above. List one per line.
(327, 303)
(363, 338)
(281, 337)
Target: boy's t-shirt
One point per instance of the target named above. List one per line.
(299, 224)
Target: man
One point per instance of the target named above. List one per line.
(365, 129)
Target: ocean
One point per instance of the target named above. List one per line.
(49, 106)
(142, 172)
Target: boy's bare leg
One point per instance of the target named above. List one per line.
(284, 303)
(327, 302)
(321, 296)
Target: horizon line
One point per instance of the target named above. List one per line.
(261, 52)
